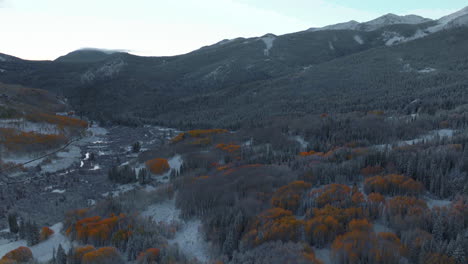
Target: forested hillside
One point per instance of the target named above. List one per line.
(346, 144)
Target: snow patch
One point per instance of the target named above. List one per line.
(323, 254)
(268, 40)
(442, 133)
(43, 251)
(427, 70)
(330, 45)
(431, 203)
(358, 39)
(299, 139)
(351, 25)
(392, 38)
(95, 168)
(162, 212)
(58, 191)
(191, 242)
(379, 228)
(459, 18)
(189, 238)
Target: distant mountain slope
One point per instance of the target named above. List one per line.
(380, 22)
(237, 80)
(86, 55)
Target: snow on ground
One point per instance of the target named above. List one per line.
(96, 167)
(121, 189)
(64, 159)
(189, 238)
(392, 38)
(380, 227)
(442, 133)
(446, 20)
(43, 251)
(248, 142)
(162, 212)
(268, 40)
(431, 203)
(174, 163)
(427, 70)
(323, 254)
(191, 241)
(58, 191)
(26, 126)
(304, 144)
(358, 39)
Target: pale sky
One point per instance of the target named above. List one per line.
(46, 29)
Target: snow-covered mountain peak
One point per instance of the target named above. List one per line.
(447, 19)
(351, 25)
(459, 18)
(385, 20)
(392, 19)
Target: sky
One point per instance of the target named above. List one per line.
(47, 29)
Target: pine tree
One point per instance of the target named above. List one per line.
(13, 223)
(438, 229)
(22, 230)
(61, 257)
(459, 250)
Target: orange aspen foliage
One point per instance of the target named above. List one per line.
(360, 225)
(436, 258)
(230, 148)
(322, 230)
(46, 232)
(202, 141)
(393, 184)
(20, 141)
(359, 246)
(371, 170)
(151, 255)
(57, 120)
(205, 132)
(99, 230)
(375, 203)
(288, 197)
(81, 251)
(197, 134)
(178, 138)
(21, 254)
(158, 166)
(332, 194)
(102, 255)
(344, 216)
(273, 224)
